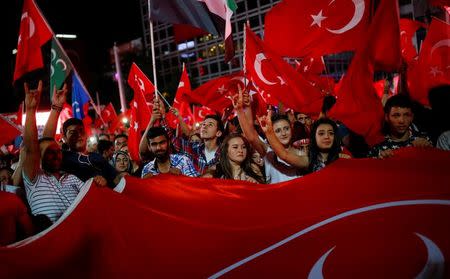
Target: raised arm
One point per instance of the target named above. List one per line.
(184, 127)
(58, 100)
(241, 104)
(156, 116)
(287, 155)
(30, 136)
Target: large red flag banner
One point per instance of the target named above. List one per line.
(299, 28)
(357, 218)
(34, 32)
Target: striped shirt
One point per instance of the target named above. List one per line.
(49, 196)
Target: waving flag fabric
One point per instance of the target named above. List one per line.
(433, 67)
(33, 34)
(299, 28)
(140, 111)
(276, 80)
(408, 28)
(60, 66)
(181, 102)
(213, 16)
(10, 130)
(389, 221)
(80, 98)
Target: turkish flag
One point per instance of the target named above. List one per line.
(33, 34)
(217, 93)
(300, 28)
(140, 82)
(408, 28)
(357, 104)
(109, 116)
(394, 226)
(140, 111)
(9, 129)
(200, 112)
(180, 102)
(276, 80)
(432, 68)
(384, 37)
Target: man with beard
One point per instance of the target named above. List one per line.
(164, 162)
(49, 190)
(398, 128)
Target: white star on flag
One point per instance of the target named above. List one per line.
(317, 19)
(221, 89)
(135, 104)
(136, 126)
(181, 84)
(435, 71)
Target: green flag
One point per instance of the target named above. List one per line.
(60, 66)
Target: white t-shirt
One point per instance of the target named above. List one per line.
(210, 155)
(278, 170)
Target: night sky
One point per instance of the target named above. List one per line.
(97, 23)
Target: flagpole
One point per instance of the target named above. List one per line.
(123, 103)
(152, 44)
(244, 65)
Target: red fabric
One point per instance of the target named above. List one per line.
(34, 32)
(9, 130)
(181, 102)
(384, 34)
(276, 80)
(15, 221)
(175, 227)
(109, 117)
(140, 82)
(140, 112)
(185, 32)
(311, 65)
(408, 28)
(357, 104)
(201, 112)
(216, 93)
(290, 29)
(432, 67)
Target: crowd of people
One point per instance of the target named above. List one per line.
(277, 147)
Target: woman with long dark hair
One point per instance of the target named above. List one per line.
(324, 147)
(325, 144)
(236, 160)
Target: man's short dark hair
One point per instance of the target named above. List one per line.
(154, 132)
(103, 145)
(216, 117)
(70, 122)
(400, 101)
(120, 136)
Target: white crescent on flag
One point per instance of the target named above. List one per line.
(258, 69)
(441, 43)
(31, 23)
(357, 16)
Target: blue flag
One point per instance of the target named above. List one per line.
(80, 97)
